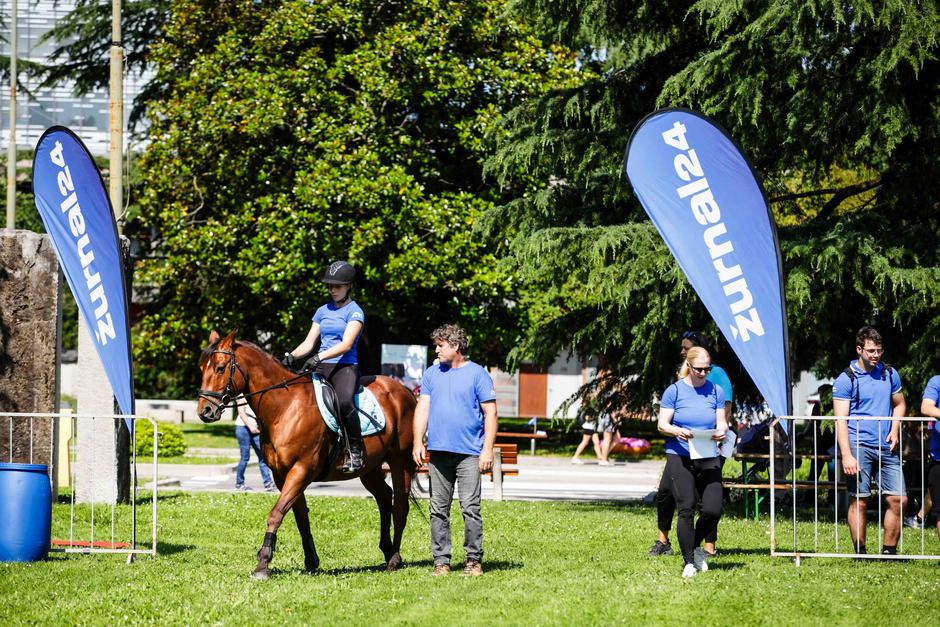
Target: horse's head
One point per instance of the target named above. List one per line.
(222, 378)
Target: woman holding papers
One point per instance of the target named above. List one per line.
(692, 413)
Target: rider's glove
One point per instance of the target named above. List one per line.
(288, 361)
(311, 364)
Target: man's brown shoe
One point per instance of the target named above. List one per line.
(441, 569)
(473, 568)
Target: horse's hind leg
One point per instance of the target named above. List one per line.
(302, 518)
(402, 472)
(374, 482)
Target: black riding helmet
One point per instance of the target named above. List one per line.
(339, 273)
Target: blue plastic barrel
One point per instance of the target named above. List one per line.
(26, 512)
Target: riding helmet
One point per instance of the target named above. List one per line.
(339, 273)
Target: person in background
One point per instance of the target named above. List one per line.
(869, 448)
(457, 410)
(693, 403)
(249, 437)
(930, 406)
(588, 435)
(665, 503)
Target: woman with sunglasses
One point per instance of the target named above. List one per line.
(693, 403)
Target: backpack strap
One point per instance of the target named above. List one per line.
(854, 385)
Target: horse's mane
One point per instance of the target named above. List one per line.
(207, 351)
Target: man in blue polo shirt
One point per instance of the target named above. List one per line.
(930, 406)
(869, 448)
(457, 409)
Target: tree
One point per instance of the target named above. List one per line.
(291, 134)
(82, 53)
(837, 106)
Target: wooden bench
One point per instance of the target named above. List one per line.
(505, 464)
(750, 480)
(531, 436)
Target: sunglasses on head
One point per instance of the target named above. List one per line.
(692, 335)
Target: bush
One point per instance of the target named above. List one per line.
(170, 441)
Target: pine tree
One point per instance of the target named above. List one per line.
(837, 106)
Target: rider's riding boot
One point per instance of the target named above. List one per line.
(354, 460)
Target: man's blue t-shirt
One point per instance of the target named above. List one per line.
(932, 392)
(719, 377)
(695, 409)
(868, 395)
(455, 423)
(333, 321)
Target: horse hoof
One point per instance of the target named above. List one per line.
(312, 568)
(261, 575)
(393, 563)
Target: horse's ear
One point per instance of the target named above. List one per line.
(229, 339)
(214, 337)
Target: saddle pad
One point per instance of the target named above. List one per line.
(371, 416)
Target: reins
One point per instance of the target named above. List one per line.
(224, 399)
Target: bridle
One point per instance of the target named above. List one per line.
(221, 400)
(227, 397)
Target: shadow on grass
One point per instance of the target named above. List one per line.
(425, 564)
(168, 548)
(143, 499)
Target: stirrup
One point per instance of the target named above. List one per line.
(354, 459)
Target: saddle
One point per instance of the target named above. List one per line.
(371, 416)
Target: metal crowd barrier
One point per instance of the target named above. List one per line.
(65, 454)
(834, 546)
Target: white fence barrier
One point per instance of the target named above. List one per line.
(83, 525)
(785, 513)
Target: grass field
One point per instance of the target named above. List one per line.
(547, 563)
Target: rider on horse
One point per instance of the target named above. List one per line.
(339, 324)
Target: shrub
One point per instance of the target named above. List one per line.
(170, 441)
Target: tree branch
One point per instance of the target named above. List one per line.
(838, 195)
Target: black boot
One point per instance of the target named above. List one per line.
(354, 461)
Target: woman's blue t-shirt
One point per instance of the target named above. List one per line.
(333, 321)
(695, 408)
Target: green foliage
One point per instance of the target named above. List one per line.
(294, 133)
(837, 106)
(170, 440)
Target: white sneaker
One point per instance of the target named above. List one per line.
(603, 462)
(576, 461)
(689, 571)
(699, 559)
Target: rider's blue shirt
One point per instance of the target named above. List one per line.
(333, 321)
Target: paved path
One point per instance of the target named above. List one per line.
(540, 478)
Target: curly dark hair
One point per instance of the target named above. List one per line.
(453, 335)
(867, 333)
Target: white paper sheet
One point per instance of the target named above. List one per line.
(727, 446)
(701, 444)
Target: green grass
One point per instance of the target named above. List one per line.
(198, 459)
(547, 563)
(213, 435)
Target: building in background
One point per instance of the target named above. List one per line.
(38, 109)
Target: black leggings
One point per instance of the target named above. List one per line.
(693, 480)
(666, 504)
(345, 380)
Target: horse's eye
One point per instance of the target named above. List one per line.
(220, 368)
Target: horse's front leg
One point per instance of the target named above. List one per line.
(293, 487)
(302, 518)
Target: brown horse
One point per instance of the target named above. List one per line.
(296, 442)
